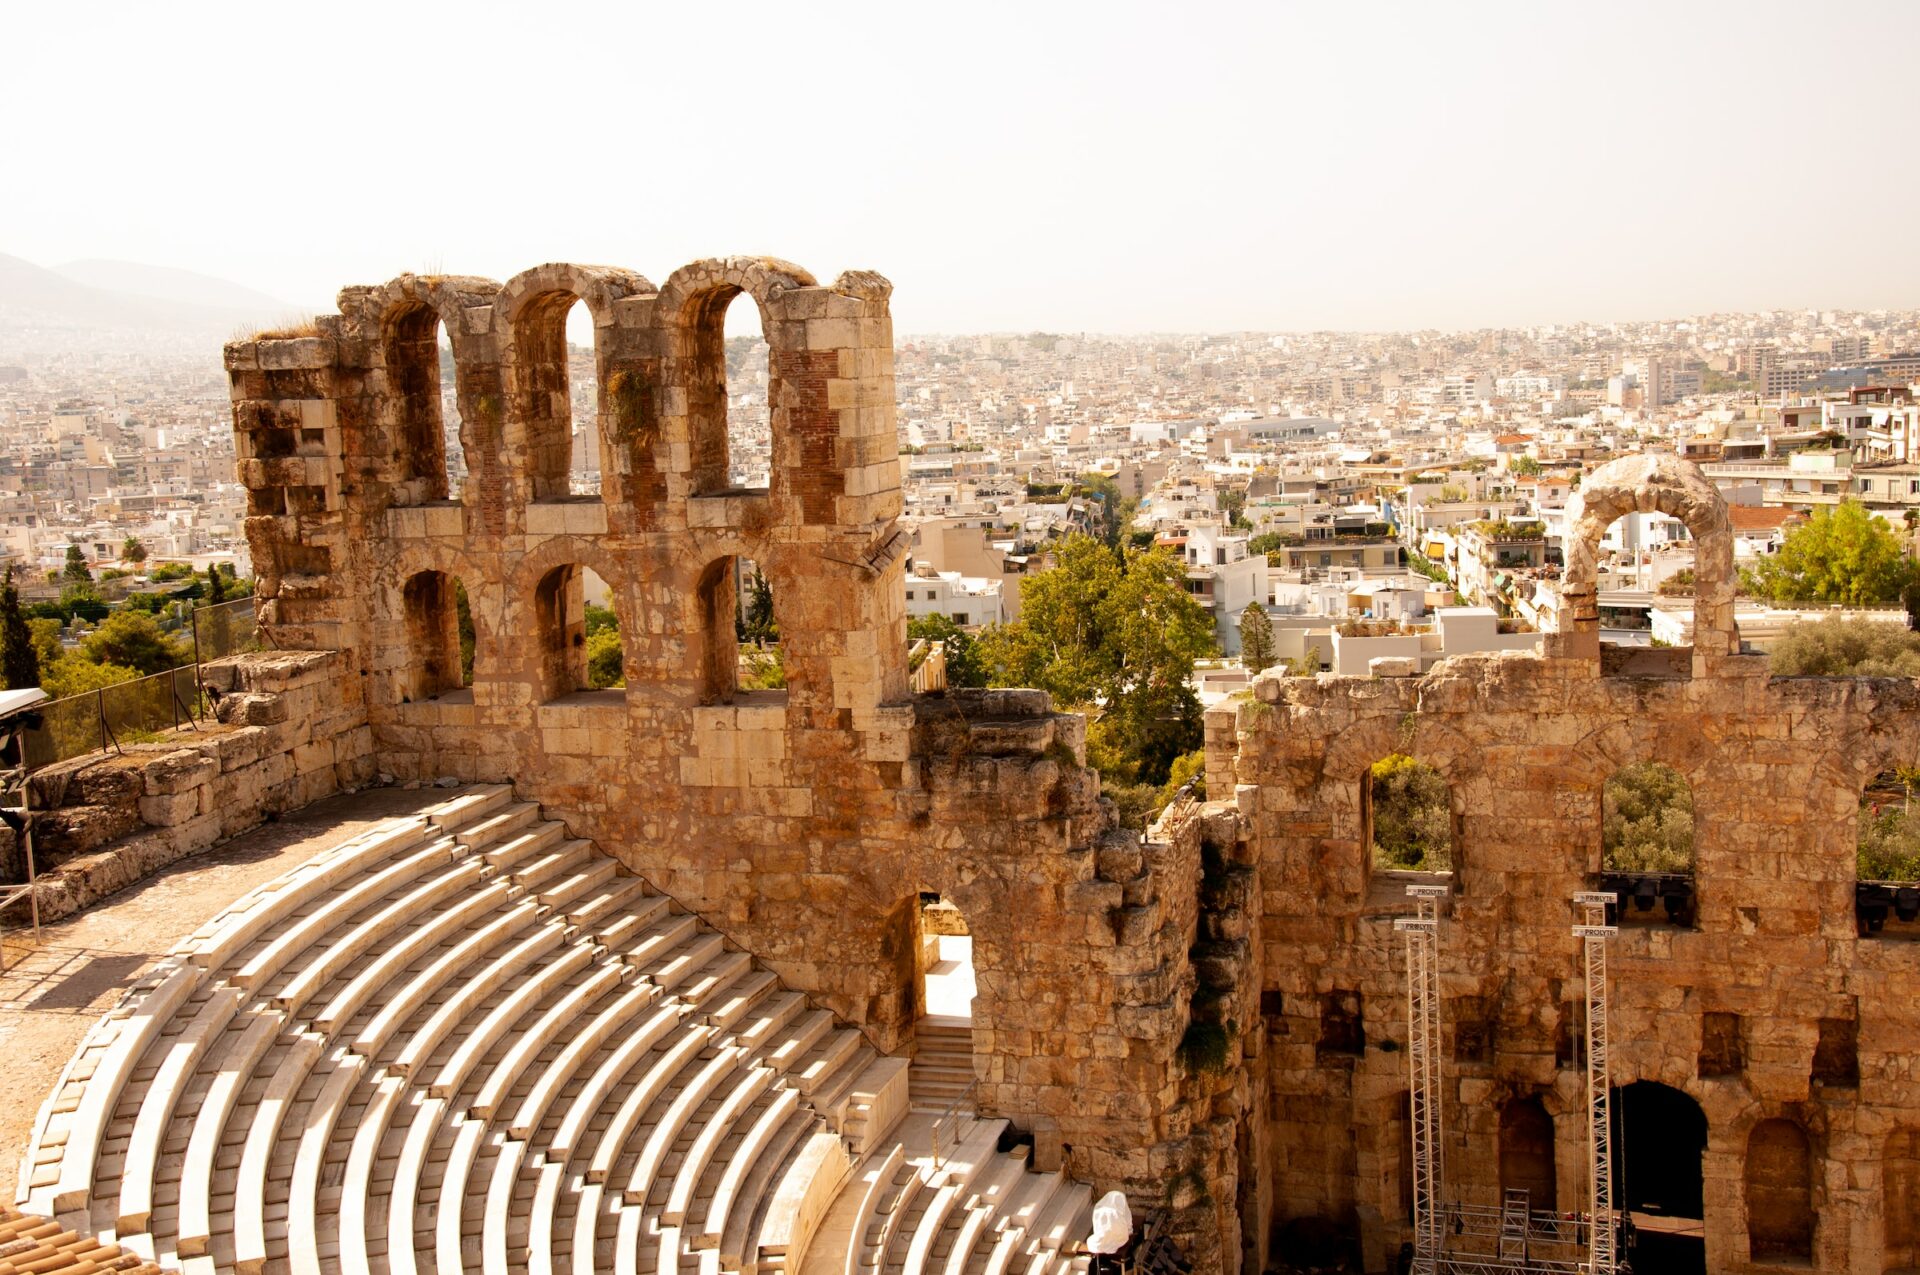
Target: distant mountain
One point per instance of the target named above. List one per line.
(113, 296)
(180, 287)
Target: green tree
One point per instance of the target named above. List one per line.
(133, 640)
(1268, 543)
(1412, 815)
(1233, 503)
(170, 571)
(1888, 836)
(131, 550)
(1524, 466)
(19, 661)
(463, 618)
(81, 600)
(46, 639)
(1843, 554)
(599, 619)
(606, 659)
(76, 568)
(762, 669)
(1256, 638)
(1841, 647)
(963, 660)
(757, 623)
(72, 674)
(1118, 632)
(1646, 820)
(216, 586)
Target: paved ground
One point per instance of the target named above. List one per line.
(51, 994)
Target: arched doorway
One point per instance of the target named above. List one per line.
(941, 991)
(1661, 1135)
(1526, 1153)
(1779, 1193)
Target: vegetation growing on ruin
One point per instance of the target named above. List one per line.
(1888, 833)
(1842, 647)
(1646, 820)
(1412, 815)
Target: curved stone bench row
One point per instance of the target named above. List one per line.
(980, 1212)
(461, 1041)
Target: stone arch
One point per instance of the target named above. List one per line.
(531, 316)
(434, 664)
(694, 303)
(551, 580)
(1659, 1169)
(1647, 482)
(405, 317)
(1347, 768)
(1779, 1191)
(1527, 1152)
(1626, 794)
(407, 623)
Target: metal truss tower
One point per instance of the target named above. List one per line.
(1593, 933)
(1424, 1044)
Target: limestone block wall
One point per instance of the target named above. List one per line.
(290, 730)
(804, 822)
(1776, 768)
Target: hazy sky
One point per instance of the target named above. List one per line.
(1106, 166)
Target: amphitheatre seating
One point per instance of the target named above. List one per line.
(979, 1211)
(458, 1041)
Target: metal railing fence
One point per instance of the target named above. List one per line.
(137, 711)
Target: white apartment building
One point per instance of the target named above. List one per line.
(969, 601)
(1223, 577)
(1530, 387)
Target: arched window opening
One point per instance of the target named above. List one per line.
(748, 404)
(1887, 855)
(1900, 1200)
(1646, 843)
(1526, 1153)
(738, 644)
(556, 380)
(1408, 810)
(583, 404)
(1645, 587)
(1779, 1191)
(1657, 1175)
(439, 637)
(730, 393)
(606, 655)
(426, 422)
(561, 617)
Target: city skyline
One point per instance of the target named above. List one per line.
(1281, 170)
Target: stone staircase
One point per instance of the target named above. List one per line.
(942, 1071)
(461, 1041)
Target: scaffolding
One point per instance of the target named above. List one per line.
(1593, 933)
(1512, 1238)
(1422, 932)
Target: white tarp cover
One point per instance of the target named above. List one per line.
(1112, 1224)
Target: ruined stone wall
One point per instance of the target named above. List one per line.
(804, 822)
(289, 729)
(1771, 1010)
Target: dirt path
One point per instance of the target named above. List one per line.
(51, 995)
